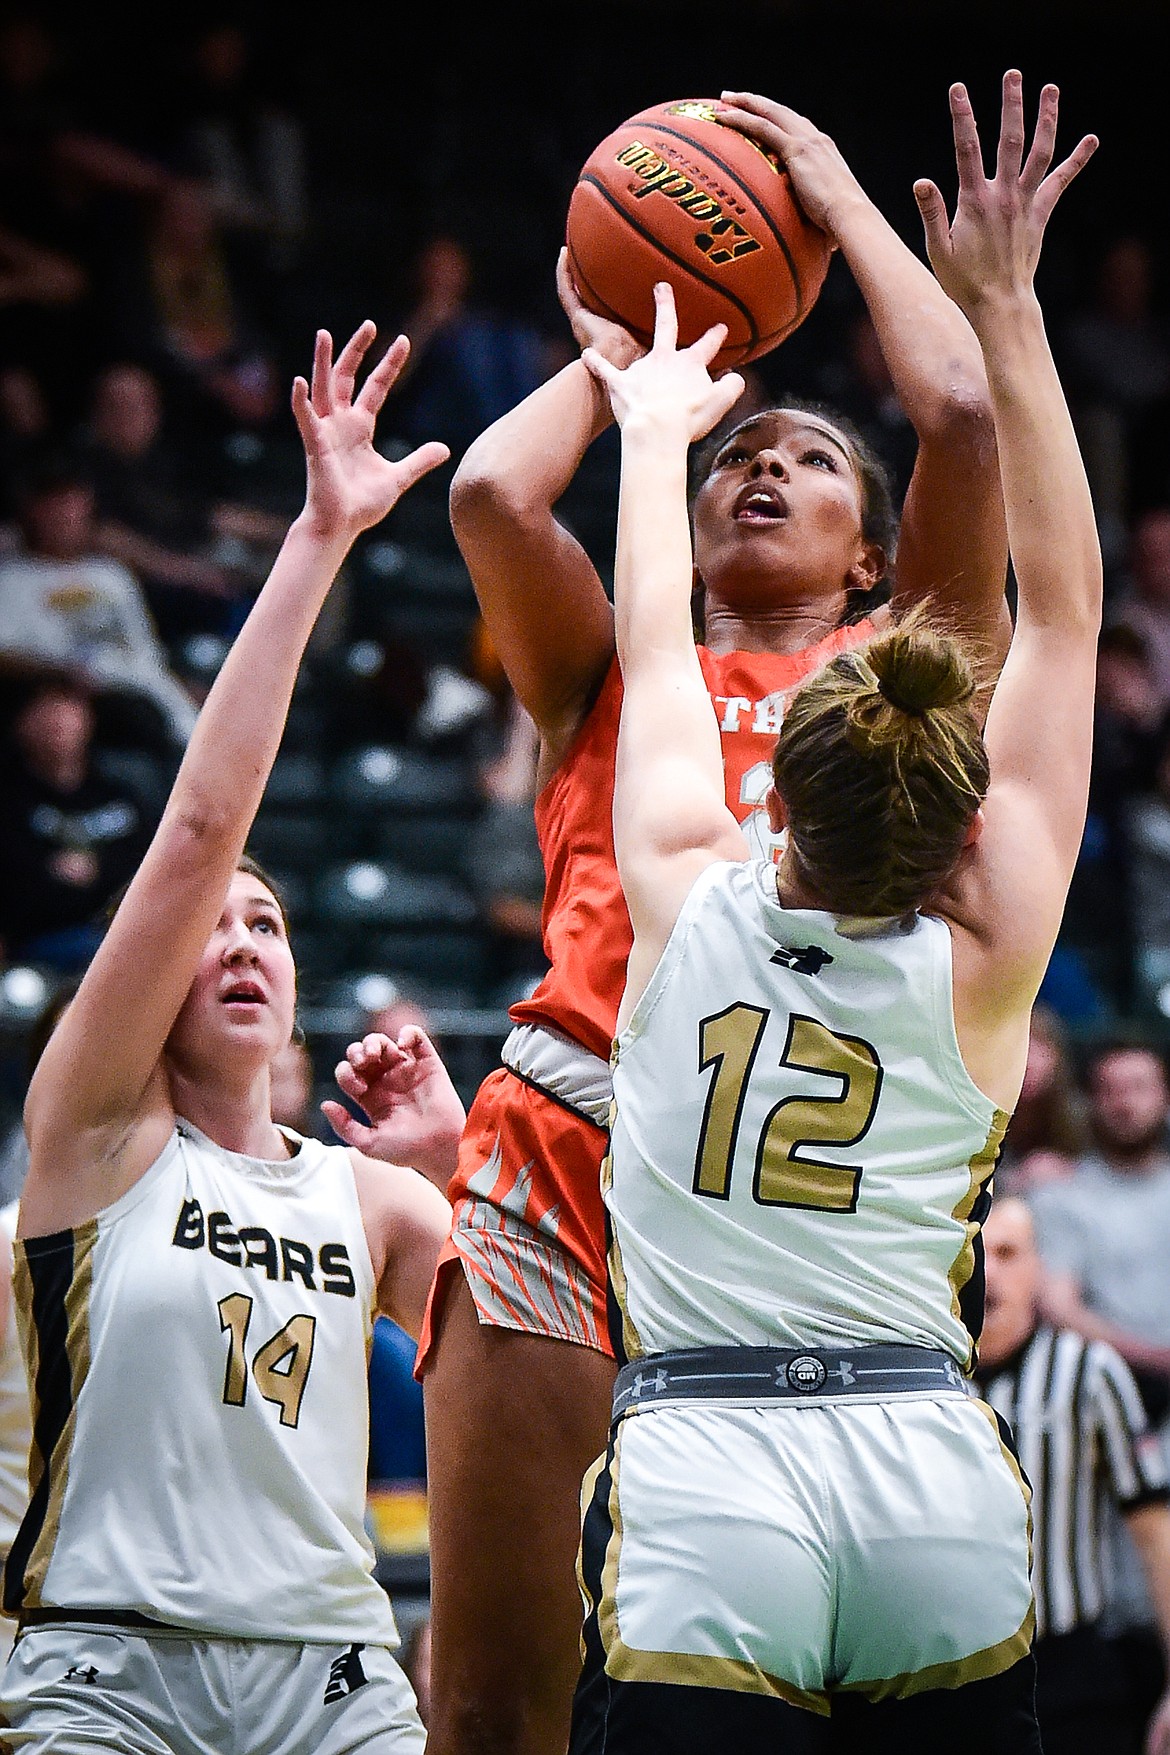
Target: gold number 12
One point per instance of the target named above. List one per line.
(786, 1174)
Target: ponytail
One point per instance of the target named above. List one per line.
(881, 766)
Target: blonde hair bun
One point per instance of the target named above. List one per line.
(920, 669)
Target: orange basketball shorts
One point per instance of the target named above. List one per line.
(528, 1228)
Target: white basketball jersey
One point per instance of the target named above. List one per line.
(15, 1422)
(799, 1157)
(198, 1353)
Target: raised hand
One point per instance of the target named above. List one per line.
(415, 1114)
(351, 486)
(821, 179)
(993, 243)
(670, 388)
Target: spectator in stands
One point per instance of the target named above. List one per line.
(1102, 1233)
(69, 838)
(1116, 362)
(1048, 1131)
(64, 603)
(68, 189)
(1144, 597)
(200, 560)
(1084, 1443)
(1148, 838)
(147, 515)
(180, 306)
(1097, 947)
(25, 429)
(246, 146)
(469, 364)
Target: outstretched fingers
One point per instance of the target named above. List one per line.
(968, 152)
(304, 413)
(1043, 141)
(420, 462)
(377, 386)
(665, 318)
(346, 1126)
(320, 388)
(349, 359)
(708, 345)
(1058, 180)
(1010, 152)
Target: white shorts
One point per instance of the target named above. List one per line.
(73, 1690)
(794, 1550)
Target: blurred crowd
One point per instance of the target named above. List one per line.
(157, 282)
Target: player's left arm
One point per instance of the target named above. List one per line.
(953, 542)
(406, 1222)
(670, 815)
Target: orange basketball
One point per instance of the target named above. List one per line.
(675, 194)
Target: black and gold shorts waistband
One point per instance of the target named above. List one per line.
(120, 1620)
(749, 1374)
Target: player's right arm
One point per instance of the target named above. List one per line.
(542, 601)
(952, 545)
(1010, 895)
(98, 1108)
(670, 815)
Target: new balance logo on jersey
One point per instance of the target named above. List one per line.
(346, 1675)
(75, 1673)
(808, 961)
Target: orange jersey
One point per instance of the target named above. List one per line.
(587, 934)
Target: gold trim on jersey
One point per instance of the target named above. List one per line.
(631, 1340)
(1013, 1464)
(992, 1661)
(588, 1488)
(77, 1361)
(684, 1669)
(979, 1171)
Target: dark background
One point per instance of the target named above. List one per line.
(477, 117)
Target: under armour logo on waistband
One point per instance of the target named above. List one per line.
(648, 1385)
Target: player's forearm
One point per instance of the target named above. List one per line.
(531, 454)
(932, 353)
(653, 560)
(1052, 530)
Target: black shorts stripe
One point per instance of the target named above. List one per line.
(591, 1703)
(51, 1262)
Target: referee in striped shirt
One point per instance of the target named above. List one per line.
(1082, 1438)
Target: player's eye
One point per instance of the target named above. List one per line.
(822, 459)
(733, 454)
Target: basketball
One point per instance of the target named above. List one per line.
(675, 194)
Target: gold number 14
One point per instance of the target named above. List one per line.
(277, 1382)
